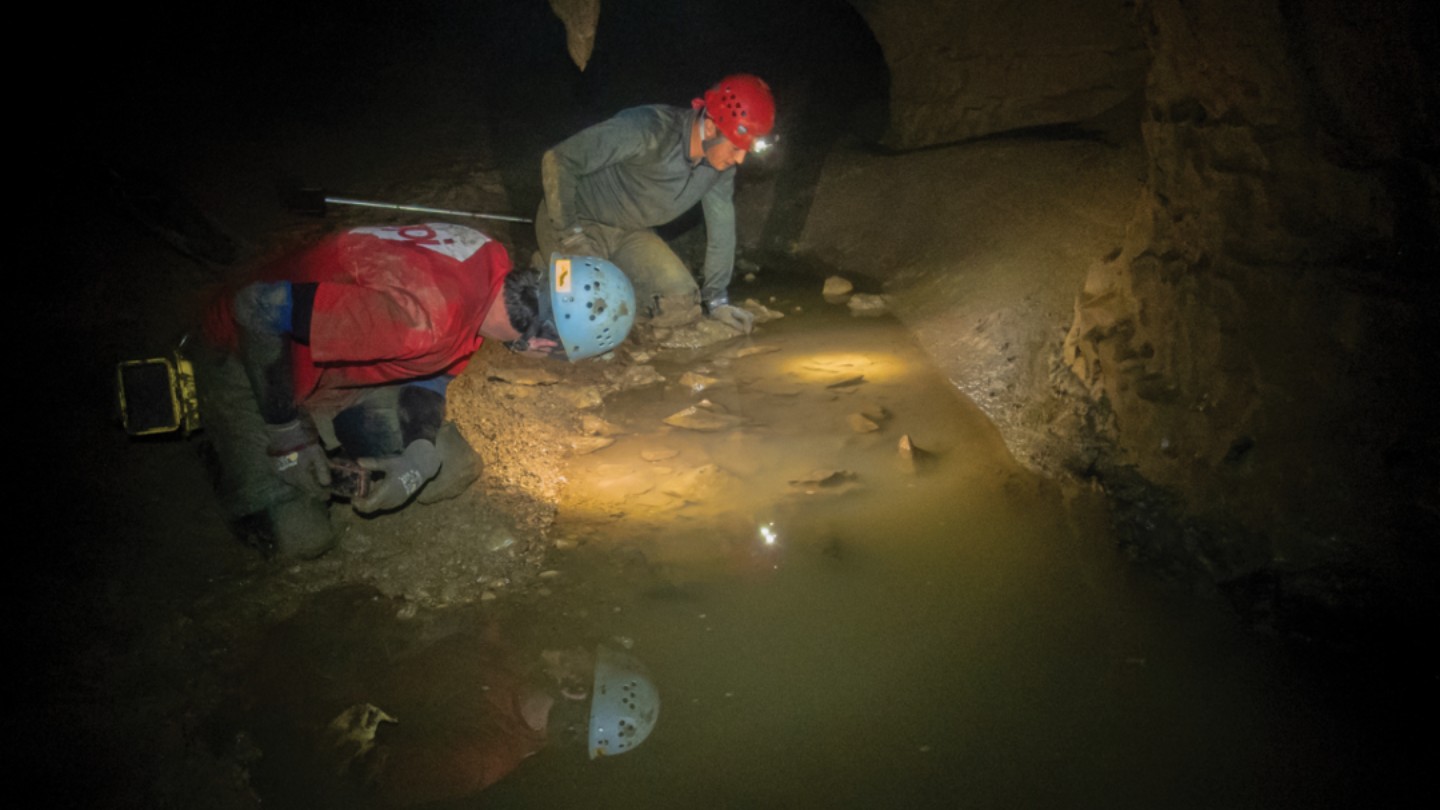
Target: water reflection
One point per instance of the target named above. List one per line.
(963, 637)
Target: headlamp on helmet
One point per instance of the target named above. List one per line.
(742, 108)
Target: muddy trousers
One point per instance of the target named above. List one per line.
(664, 286)
(262, 507)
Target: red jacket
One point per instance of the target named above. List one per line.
(392, 304)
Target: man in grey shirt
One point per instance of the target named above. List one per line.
(608, 186)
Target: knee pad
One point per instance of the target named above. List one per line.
(460, 466)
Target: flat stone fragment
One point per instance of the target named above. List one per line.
(658, 501)
(751, 351)
(637, 377)
(585, 445)
(866, 304)
(824, 478)
(761, 312)
(692, 484)
(701, 418)
(592, 425)
(581, 397)
(704, 332)
(860, 424)
(524, 375)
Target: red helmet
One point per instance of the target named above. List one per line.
(741, 107)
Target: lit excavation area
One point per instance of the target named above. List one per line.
(803, 424)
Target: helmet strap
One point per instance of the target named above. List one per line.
(706, 144)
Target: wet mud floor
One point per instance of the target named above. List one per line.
(831, 624)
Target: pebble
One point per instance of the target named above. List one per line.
(911, 457)
(697, 382)
(865, 304)
(836, 286)
(848, 382)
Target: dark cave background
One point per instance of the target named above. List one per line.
(1268, 311)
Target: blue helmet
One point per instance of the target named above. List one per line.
(591, 302)
(624, 703)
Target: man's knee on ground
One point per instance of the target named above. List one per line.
(296, 529)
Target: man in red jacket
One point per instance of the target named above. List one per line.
(333, 364)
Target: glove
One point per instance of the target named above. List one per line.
(298, 457)
(741, 320)
(577, 243)
(404, 475)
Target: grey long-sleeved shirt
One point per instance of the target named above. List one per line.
(634, 171)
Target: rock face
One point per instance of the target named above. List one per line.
(961, 70)
(1243, 359)
(1252, 341)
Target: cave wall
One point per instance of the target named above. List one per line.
(1256, 343)
(962, 70)
(1243, 363)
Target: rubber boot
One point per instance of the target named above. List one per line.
(302, 528)
(460, 465)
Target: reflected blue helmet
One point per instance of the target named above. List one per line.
(591, 303)
(624, 704)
